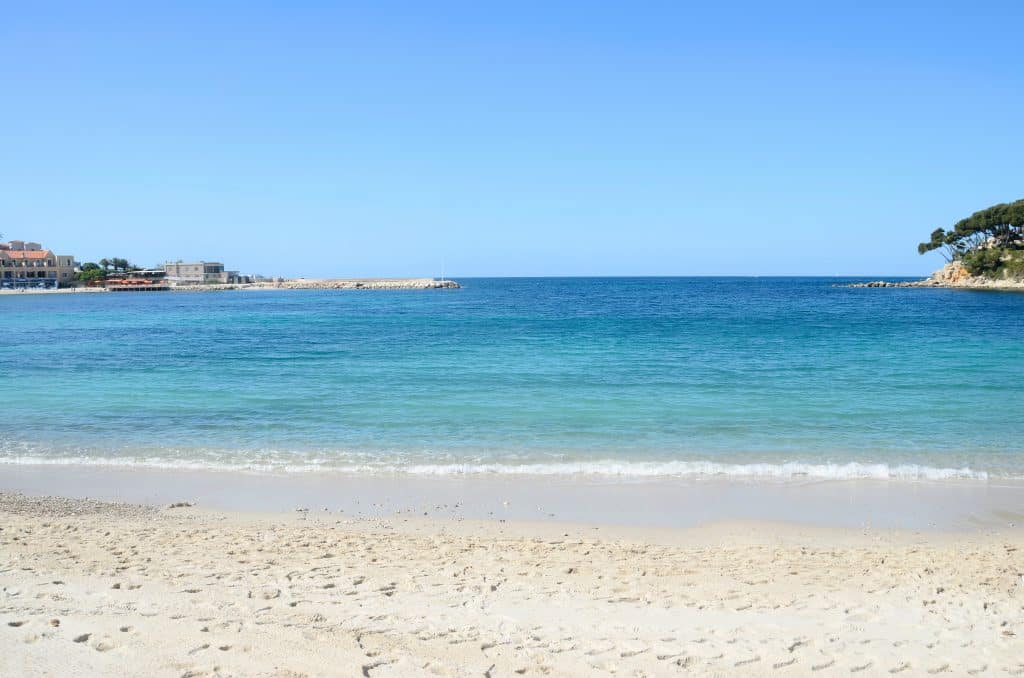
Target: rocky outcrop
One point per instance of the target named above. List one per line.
(952, 275)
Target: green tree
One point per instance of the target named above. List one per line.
(121, 264)
(105, 263)
(999, 226)
(90, 272)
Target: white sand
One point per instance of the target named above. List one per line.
(112, 590)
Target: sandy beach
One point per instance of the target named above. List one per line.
(487, 340)
(113, 589)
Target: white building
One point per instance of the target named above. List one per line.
(200, 272)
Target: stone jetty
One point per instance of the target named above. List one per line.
(365, 284)
(330, 284)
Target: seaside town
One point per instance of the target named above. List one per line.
(29, 267)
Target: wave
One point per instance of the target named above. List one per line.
(787, 470)
(607, 468)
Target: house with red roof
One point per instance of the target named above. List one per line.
(27, 264)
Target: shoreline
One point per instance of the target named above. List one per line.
(59, 290)
(368, 284)
(100, 588)
(672, 503)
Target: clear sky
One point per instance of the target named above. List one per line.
(530, 138)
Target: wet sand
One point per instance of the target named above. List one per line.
(648, 502)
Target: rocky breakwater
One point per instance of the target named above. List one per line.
(367, 284)
(952, 275)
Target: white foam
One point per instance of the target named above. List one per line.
(599, 468)
(851, 470)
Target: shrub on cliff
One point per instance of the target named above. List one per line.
(981, 261)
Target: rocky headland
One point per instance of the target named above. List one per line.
(953, 275)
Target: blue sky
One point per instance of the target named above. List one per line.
(523, 139)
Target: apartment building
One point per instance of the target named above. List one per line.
(27, 264)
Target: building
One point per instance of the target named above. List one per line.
(137, 284)
(27, 264)
(200, 272)
(147, 273)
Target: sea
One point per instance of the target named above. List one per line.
(627, 378)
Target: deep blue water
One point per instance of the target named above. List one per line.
(754, 376)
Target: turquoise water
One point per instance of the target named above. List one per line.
(628, 377)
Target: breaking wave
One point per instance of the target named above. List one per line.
(607, 468)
